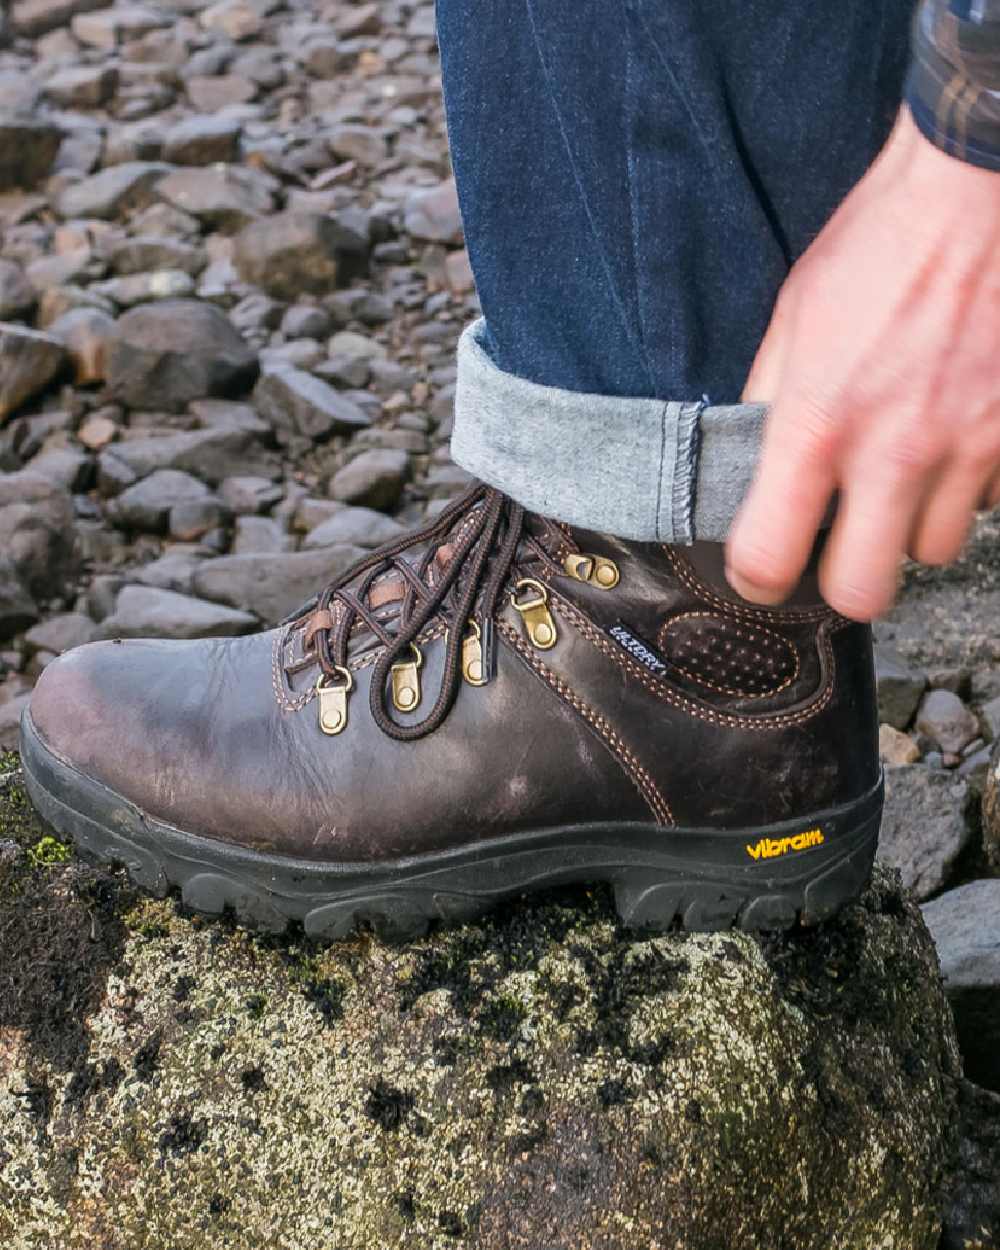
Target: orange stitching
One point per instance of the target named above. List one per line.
(703, 591)
(365, 660)
(638, 775)
(731, 690)
(762, 721)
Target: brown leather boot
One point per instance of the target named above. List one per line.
(495, 704)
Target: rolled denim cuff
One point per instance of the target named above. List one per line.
(652, 470)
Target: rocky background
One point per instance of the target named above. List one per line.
(231, 281)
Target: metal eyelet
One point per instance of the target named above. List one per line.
(406, 681)
(333, 700)
(535, 614)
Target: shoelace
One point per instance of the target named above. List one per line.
(496, 525)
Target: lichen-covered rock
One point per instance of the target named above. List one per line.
(537, 1079)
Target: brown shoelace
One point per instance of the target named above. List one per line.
(473, 577)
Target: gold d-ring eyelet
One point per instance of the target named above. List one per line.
(538, 622)
(406, 681)
(333, 699)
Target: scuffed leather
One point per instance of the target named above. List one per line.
(217, 738)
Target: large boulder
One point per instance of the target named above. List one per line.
(165, 355)
(533, 1080)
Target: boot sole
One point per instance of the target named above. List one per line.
(698, 879)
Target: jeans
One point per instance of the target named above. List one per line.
(636, 178)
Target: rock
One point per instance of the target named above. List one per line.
(97, 431)
(990, 717)
(535, 1080)
(225, 196)
(945, 719)
(142, 288)
(65, 466)
(37, 535)
(350, 141)
(926, 826)
(61, 633)
(272, 586)
(247, 495)
(146, 506)
(896, 748)
(899, 688)
(173, 571)
(362, 527)
(28, 149)
(82, 87)
(219, 91)
(459, 272)
(233, 18)
(107, 29)
(166, 355)
(991, 811)
(375, 478)
(203, 140)
(260, 535)
(146, 612)
(145, 253)
(10, 724)
(298, 403)
(112, 191)
(32, 18)
(86, 333)
(17, 295)
(191, 519)
(210, 454)
(965, 925)
(291, 254)
(304, 321)
(433, 214)
(17, 608)
(972, 1213)
(29, 360)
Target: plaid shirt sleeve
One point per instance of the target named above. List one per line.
(953, 87)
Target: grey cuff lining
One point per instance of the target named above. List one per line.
(644, 469)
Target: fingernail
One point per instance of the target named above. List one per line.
(765, 595)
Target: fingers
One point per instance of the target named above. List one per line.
(776, 527)
(859, 569)
(945, 518)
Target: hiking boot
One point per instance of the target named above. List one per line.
(492, 705)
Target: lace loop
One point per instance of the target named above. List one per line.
(467, 589)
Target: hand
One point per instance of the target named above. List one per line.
(883, 363)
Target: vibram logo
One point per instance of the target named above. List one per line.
(769, 848)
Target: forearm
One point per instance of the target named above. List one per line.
(953, 88)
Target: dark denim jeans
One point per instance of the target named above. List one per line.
(636, 178)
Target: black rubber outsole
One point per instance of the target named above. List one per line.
(696, 879)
